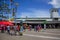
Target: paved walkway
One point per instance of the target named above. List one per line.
(49, 34)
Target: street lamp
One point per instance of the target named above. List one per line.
(16, 5)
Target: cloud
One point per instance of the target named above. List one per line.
(55, 3)
(35, 13)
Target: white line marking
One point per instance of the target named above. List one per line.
(41, 36)
(50, 33)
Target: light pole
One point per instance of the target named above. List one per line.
(16, 5)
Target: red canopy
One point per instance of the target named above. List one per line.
(5, 23)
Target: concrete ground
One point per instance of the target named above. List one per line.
(48, 34)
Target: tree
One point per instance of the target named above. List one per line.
(4, 8)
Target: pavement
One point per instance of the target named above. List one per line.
(48, 34)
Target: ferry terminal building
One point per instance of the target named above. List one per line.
(52, 22)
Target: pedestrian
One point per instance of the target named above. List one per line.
(24, 28)
(8, 29)
(38, 28)
(5, 28)
(35, 28)
(12, 30)
(30, 27)
(18, 29)
(2, 30)
(15, 29)
(21, 30)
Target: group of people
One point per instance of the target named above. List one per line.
(13, 30)
(37, 28)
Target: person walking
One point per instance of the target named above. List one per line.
(15, 30)
(18, 29)
(35, 28)
(12, 30)
(8, 29)
(30, 27)
(2, 29)
(38, 28)
(21, 31)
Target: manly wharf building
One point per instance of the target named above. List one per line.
(52, 22)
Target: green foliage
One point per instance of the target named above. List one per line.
(4, 8)
(44, 22)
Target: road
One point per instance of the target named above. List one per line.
(49, 34)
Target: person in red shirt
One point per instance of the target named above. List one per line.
(18, 29)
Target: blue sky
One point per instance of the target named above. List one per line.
(36, 8)
(33, 8)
